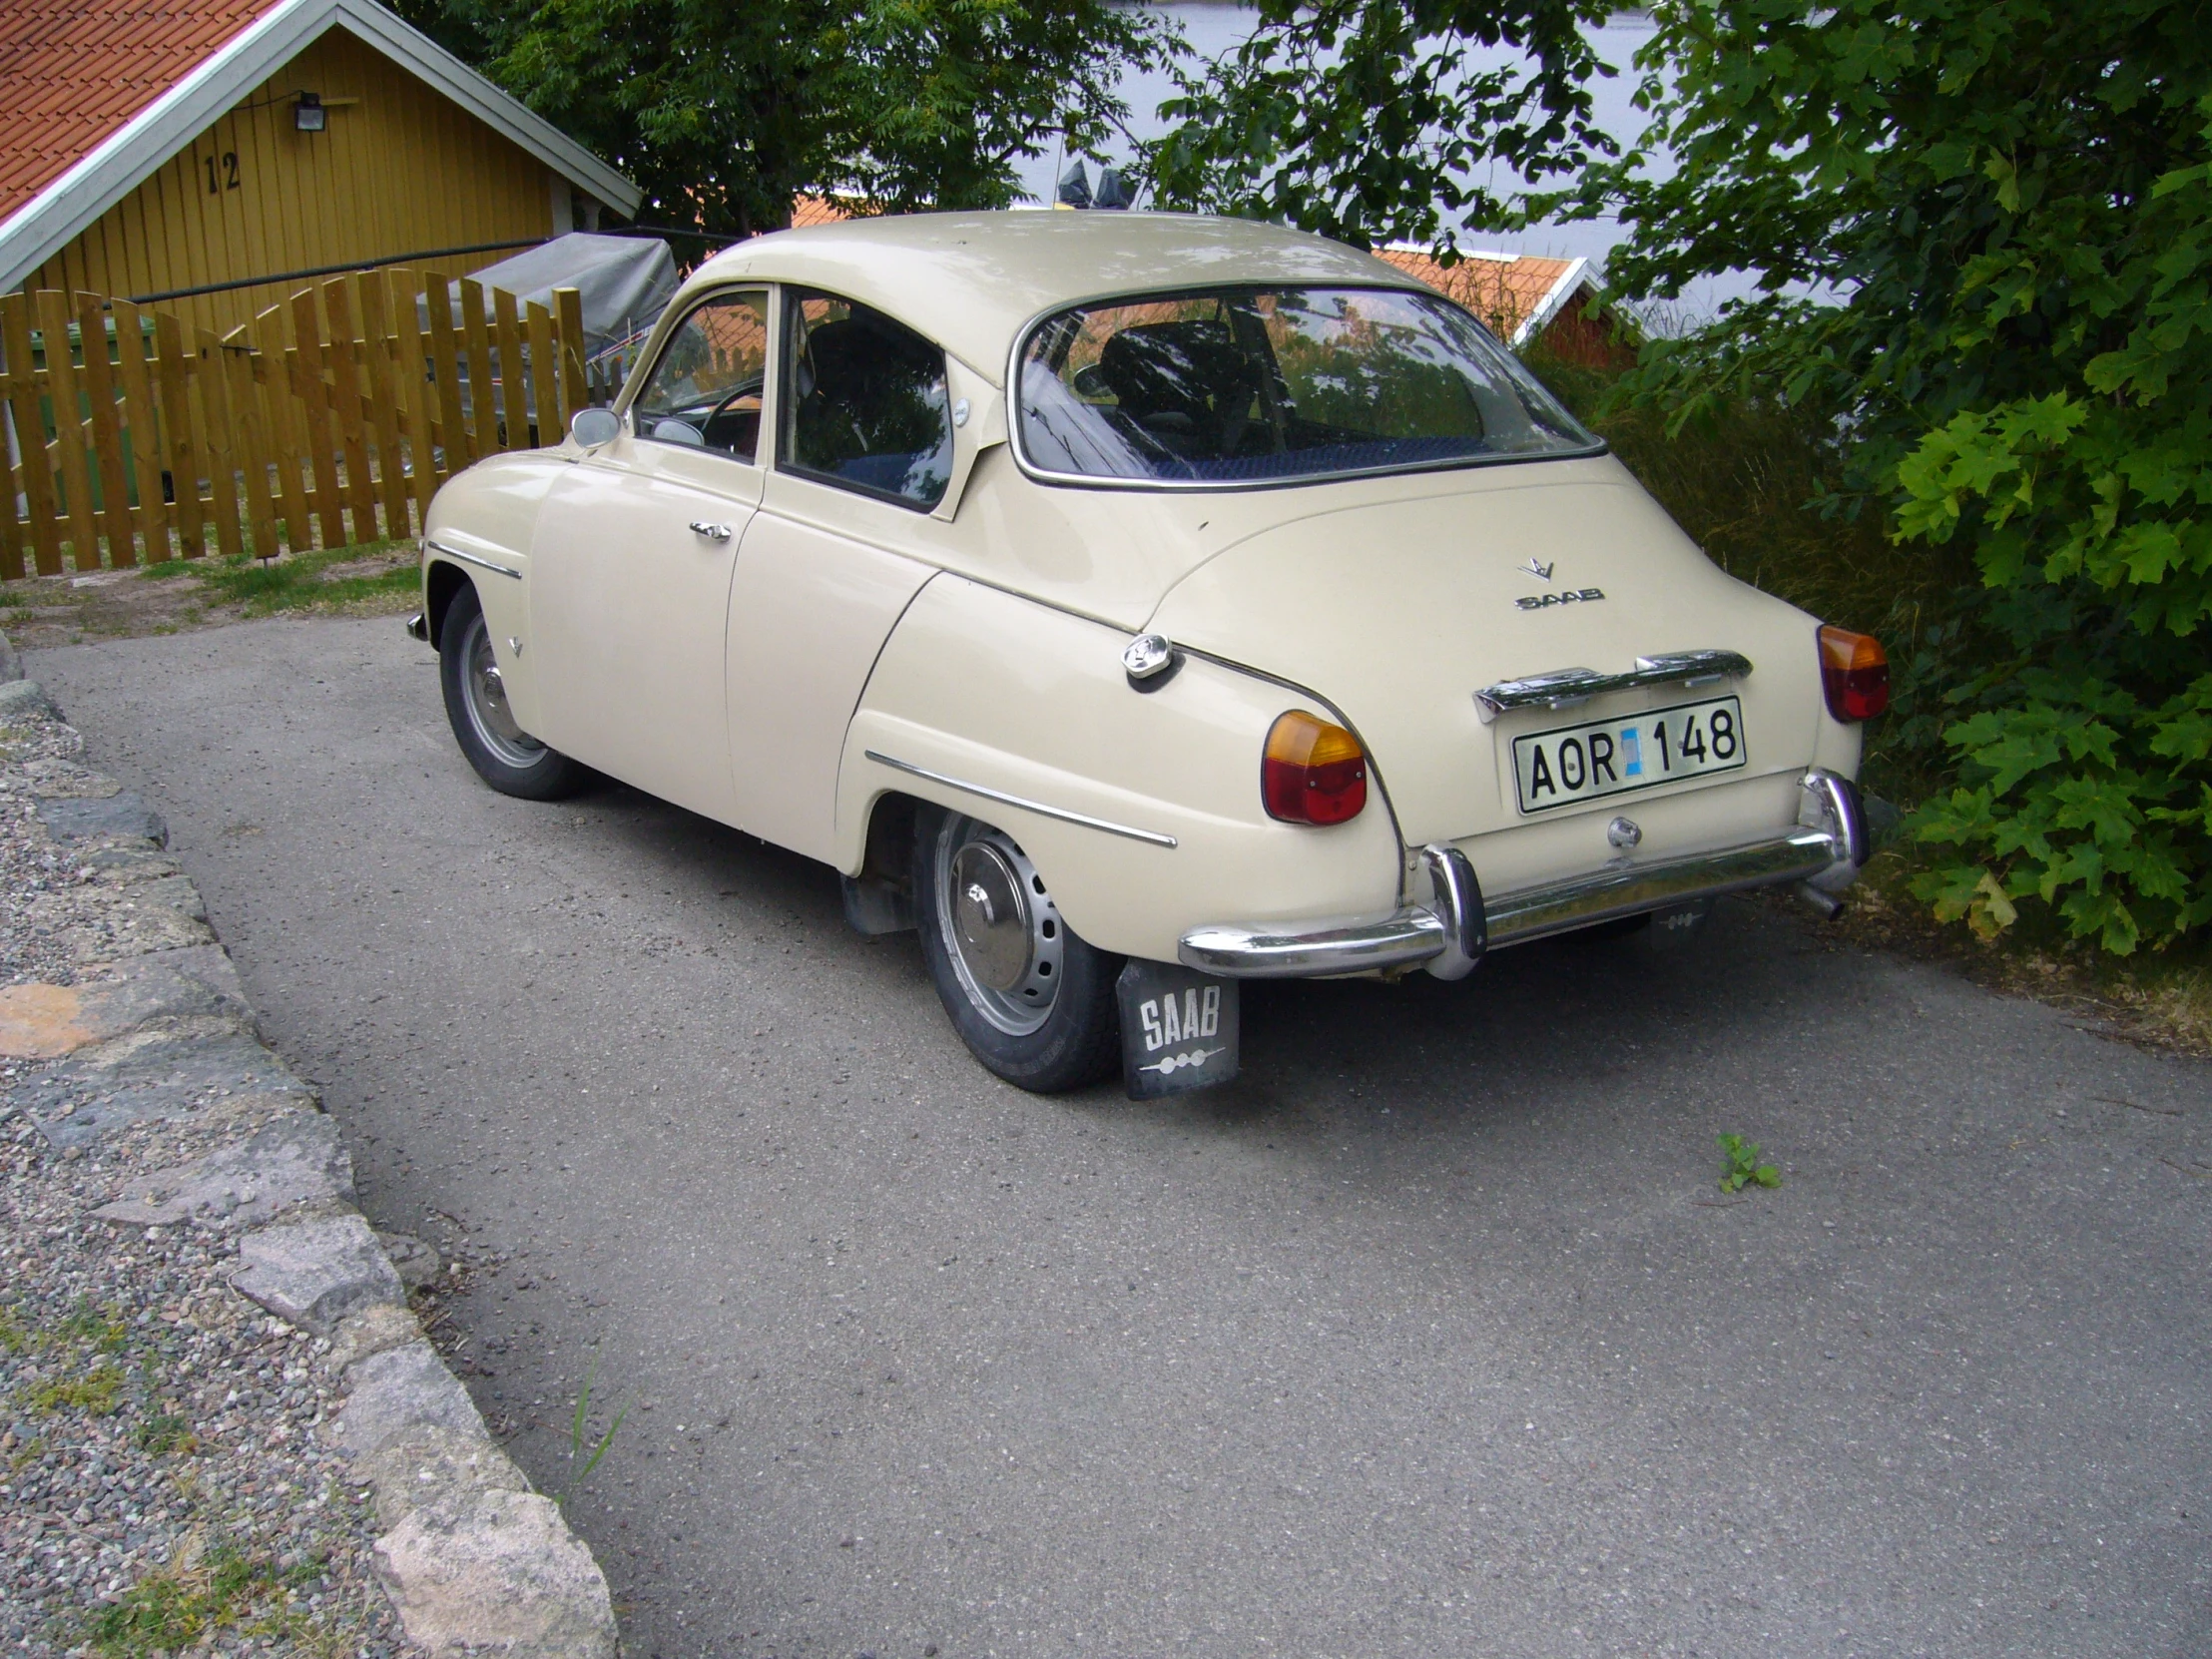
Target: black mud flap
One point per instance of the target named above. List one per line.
(1178, 1030)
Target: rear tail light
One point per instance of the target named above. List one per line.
(1312, 772)
(1855, 674)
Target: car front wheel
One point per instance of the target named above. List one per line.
(1032, 1001)
(504, 755)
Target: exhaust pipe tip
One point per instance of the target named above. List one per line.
(1823, 905)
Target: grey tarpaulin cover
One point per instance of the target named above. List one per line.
(623, 282)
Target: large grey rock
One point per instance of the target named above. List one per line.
(103, 924)
(125, 861)
(23, 700)
(163, 1073)
(372, 1330)
(126, 813)
(498, 1572)
(295, 1160)
(398, 1392)
(315, 1271)
(433, 1464)
(11, 664)
(58, 780)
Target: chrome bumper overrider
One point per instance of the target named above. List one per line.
(1449, 933)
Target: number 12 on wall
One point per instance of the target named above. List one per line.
(222, 172)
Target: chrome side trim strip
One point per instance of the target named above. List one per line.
(471, 559)
(1150, 837)
(1563, 688)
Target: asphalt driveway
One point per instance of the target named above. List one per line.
(1432, 1335)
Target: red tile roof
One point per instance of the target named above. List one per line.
(1504, 290)
(72, 72)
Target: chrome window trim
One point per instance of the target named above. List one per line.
(441, 548)
(1085, 480)
(1150, 837)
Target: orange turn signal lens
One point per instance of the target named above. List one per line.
(1855, 674)
(1312, 772)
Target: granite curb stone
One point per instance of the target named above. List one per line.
(472, 1560)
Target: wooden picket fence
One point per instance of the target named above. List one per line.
(131, 438)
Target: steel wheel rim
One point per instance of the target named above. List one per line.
(486, 695)
(1013, 983)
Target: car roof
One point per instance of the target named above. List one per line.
(971, 282)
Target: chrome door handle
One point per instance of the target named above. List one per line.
(713, 532)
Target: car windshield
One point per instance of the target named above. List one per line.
(1268, 385)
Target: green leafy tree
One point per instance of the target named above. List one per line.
(723, 112)
(1983, 233)
(1373, 121)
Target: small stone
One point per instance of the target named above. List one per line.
(417, 1262)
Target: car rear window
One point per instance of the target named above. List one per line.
(1235, 386)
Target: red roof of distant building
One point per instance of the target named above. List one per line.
(73, 71)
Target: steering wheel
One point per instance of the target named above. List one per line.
(744, 388)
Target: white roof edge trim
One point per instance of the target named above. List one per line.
(1576, 276)
(125, 158)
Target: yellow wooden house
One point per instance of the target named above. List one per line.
(216, 155)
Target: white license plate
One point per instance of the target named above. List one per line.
(1637, 752)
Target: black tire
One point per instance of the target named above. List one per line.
(1032, 1000)
(504, 755)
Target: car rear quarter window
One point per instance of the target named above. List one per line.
(864, 402)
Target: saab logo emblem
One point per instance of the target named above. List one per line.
(1168, 1019)
(1570, 596)
(1542, 572)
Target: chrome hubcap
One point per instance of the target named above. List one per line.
(485, 694)
(1000, 926)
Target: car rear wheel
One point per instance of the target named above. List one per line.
(504, 755)
(1032, 1001)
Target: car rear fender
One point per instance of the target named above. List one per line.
(1140, 809)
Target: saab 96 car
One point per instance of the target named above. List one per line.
(1137, 604)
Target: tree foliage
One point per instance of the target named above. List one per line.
(723, 112)
(1370, 121)
(1983, 229)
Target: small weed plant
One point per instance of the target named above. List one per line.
(577, 1430)
(1740, 1168)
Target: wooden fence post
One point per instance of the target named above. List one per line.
(305, 330)
(142, 428)
(69, 428)
(30, 434)
(419, 387)
(383, 409)
(568, 312)
(483, 393)
(212, 378)
(184, 435)
(107, 435)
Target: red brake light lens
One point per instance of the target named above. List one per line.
(1855, 674)
(1312, 772)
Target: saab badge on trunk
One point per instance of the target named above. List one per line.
(1178, 1030)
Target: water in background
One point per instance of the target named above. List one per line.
(1217, 28)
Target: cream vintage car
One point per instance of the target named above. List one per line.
(1136, 604)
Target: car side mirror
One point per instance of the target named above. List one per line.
(593, 427)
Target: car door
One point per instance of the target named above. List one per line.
(630, 565)
(864, 453)
(632, 562)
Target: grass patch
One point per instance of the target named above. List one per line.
(99, 1391)
(165, 1433)
(223, 1589)
(303, 581)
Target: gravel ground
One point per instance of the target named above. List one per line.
(163, 1486)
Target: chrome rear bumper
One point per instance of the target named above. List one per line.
(1449, 934)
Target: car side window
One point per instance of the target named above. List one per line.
(865, 403)
(705, 392)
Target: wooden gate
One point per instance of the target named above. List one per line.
(132, 439)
